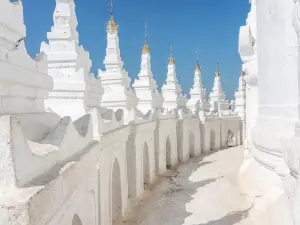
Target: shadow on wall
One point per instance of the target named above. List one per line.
(192, 144)
(116, 195)
(168, 153)
(212, 140)
(76, 220)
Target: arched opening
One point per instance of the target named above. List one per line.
(192, 144)
(76, 220)
(168, 153)
(116, 196)
(231, 140)
(146, 165)
(212, 140)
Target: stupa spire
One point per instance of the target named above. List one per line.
(218, 73)
(171, 90)
(146, 48)
(197, 92)
(217, 96)
(145, 86)
(115, 80)
(112, 26)
(197, 67)
(171, 58)
(111, 10)
(198, 75)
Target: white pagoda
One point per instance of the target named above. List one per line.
(68, 63)
(115, 81)
(145, 86)
(171, 91)
(198, 92)
(217, 97)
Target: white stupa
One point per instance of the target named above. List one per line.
(145, 86)
(217, 97)
(198, 92)
(68, 63)
(116, 83)
(171, 90)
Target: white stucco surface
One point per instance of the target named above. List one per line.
(204, 192)
(79, 149)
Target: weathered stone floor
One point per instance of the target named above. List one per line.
(201, 192)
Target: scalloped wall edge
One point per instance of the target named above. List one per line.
(43, 156)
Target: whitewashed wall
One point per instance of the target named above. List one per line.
(57, 171)
(272, 64)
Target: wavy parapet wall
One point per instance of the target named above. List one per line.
(229, 114)
(106, 120)
(65, 143)
(185, 113)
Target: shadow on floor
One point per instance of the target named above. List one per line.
(167, 203)
(204, 163)
(230, 219)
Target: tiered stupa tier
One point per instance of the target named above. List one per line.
(171, 91)
(116, 83)
(68, 63)
(217, 96)
(198, 93)
(145, 86)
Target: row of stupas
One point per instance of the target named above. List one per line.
(69, 65)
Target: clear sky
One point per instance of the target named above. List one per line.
(211, 26)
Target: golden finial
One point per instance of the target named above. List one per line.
(217, 74)
(171, 58)
(112, 25)
(197, 68)
(146, 48)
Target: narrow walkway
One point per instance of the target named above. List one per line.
(201, 192)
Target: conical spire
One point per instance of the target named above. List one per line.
(218, 73)
(217, 95)
(197, 67)
(171, 58)
(146, 48)
(112, 26)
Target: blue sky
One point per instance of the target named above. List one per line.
(211, 26)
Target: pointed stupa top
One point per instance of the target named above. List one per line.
(171, 58)
(64, 21)
(146, 48)
(197, 67)
(112, 26)
(218, 73)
